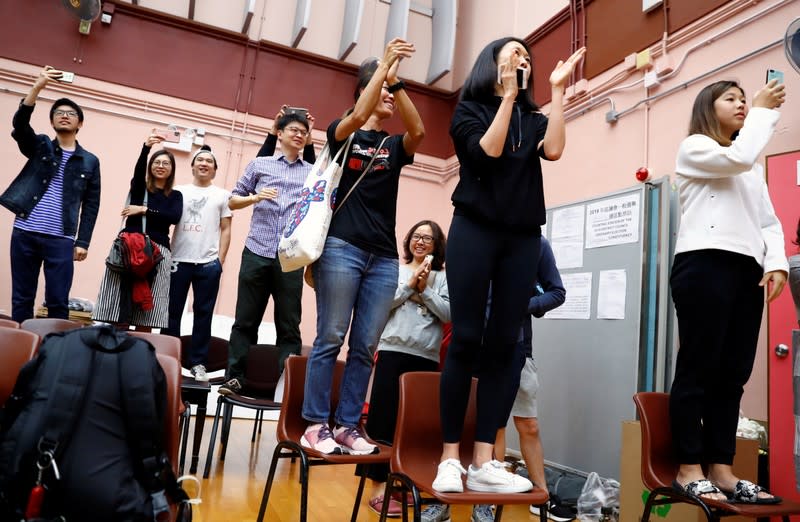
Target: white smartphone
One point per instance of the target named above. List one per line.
(523, 74)
(429, 258)
(66, 77)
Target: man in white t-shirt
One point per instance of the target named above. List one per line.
(199, 245)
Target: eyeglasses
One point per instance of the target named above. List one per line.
(71, 114)
(296, 130)
(164, 163)
(426, 239)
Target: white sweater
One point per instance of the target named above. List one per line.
(724, 200)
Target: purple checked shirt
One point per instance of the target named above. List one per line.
(270, 216)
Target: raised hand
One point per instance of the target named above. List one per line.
(560, 75)
(396, 50)
(771, 96)
(153, 139)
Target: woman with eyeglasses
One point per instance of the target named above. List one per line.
(410, 341)
(120, 300)
(356, 276)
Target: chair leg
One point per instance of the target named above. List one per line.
(498, 513)
(211, 442)
(185, 421)
(255, 425)
(406, 485)
(260, 421)
(277, 454)
(359, 493)
(227, 418)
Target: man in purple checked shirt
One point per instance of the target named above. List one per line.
(272, 184)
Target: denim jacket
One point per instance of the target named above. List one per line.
(81, 179)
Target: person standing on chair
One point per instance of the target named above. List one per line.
(200, 244)
(500, 137)
(728, 252)
(356, 275)
(55, 198)
(273, 185)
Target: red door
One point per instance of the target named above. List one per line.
(783, 179)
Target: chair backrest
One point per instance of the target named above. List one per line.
(164, 344)
(172, 371)
(417, 446)
(8, 323)
(217, 353)
(42, 326)
(291, 424)
(658, 465)
(16, 348)
(262, 373)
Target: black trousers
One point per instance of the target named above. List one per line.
(478, 254)
(385, 399)
(719, 306)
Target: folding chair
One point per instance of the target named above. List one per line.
(292, 425)
(659, 468)
(417, 450)
(261, 379)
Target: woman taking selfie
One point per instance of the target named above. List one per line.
(729, 249)
(119, 301)
(356, 276)
(499, 137)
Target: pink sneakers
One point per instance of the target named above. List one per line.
(353, 442)
(319, 437)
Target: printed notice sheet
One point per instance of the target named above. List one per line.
(613, 221)
(611, 294)
(566, 236)
(578, 304)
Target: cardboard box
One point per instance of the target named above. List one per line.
(633, 493)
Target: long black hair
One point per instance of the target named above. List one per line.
(480, 83)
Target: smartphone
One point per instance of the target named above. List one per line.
(170, 135)
(66, 77)
(300, 111)
(522, 77)
(429, 258)
(773, 74)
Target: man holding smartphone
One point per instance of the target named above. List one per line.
(273, 185)
(56, 198)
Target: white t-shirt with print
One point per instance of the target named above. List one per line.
(196, 236)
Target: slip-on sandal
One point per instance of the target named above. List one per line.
(395, 508)
(698, 488)
(746, 492)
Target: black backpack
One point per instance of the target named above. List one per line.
(85, 421)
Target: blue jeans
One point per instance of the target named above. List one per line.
(350, 282)
(29, 250)
(204, 280)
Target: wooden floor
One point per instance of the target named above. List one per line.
(234, 488)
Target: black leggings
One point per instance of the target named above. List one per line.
(478, 254)
(719, 306)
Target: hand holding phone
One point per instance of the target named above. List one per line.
(170, 135)
(523, 73)
(428, 259)
(66, 77)
(774, 74)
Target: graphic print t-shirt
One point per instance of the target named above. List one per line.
(196, 236)
(367, 218)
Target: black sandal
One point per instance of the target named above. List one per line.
(698, 488)
(746, 492)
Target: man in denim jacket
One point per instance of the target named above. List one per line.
(59, 183)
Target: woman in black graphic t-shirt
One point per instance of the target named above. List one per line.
(356, 276)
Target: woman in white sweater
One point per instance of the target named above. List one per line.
(729, 249)
(411, 339)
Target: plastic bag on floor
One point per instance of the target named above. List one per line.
(599, 499)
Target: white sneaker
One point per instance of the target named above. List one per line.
(448, 477)
(492, 477)
(199, 373)
(320, 438)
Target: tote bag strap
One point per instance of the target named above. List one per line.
(144, 216)
(369, 165)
